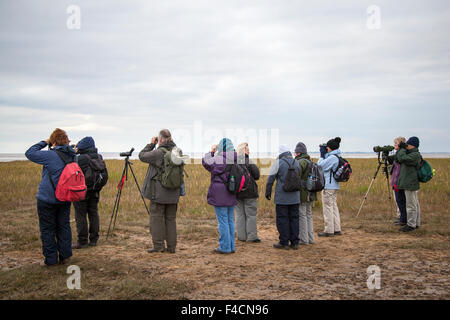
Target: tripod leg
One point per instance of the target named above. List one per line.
(140, 192)
(113, 213)
(116, 203)
(389, 190)
(370, 186)
(117, 212)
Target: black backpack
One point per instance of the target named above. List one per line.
(239, 178)
(316, 179)
(343, 171)
(96, 174)
(292, 180)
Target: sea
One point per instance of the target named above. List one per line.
(8, 157)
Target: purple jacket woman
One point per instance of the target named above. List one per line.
(216, 164)
(218, 196)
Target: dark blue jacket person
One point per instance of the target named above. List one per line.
(54, 215)
(87, 209)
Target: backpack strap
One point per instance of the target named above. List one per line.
(289, 164)
(64, 157)
(333, 172)
(227, 168)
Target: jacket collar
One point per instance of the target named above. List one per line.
(334, 152)
(286, 154)
(303, 156)
(169, 145)
(90, 150)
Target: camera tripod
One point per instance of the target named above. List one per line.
(124, 178)
(382, 162)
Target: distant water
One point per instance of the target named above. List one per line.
(8, 157)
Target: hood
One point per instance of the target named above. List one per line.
(334, 152)
(86, 143)
(225, 145)
(285, 154)
(169, 145)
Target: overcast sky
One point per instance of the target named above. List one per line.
(312, 70)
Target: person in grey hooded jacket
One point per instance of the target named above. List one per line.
(287, 203)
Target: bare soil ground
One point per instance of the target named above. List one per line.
(332, 268)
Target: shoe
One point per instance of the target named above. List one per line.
(43, 264)
(257, 240)
(92, 244)
(324, 234)
(242, 240)
(153, 250)
(294, 246)
(79, 246)
(417, 227)
(407, 228)
(64, 261)
(280, 246)
(170, 250)
(217, 250)
(338, 233)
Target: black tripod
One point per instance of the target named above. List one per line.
(382, 161)
(124, 178)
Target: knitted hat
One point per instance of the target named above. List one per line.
(86, 143)
(413, 141)
(225, 145)
(300, 148)
(334, 144)
(283, 148)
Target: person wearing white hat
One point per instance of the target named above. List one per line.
(287, 203)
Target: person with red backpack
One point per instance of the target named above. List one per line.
(54, 215)
(96, 175)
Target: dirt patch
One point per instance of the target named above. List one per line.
(332, 268)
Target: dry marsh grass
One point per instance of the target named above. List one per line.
(133, 276)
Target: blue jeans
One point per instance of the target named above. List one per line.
(56, 235)
(225, 221)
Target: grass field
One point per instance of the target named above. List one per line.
(414, 265)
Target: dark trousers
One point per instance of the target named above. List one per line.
(87, 209)
(400, 198)
(288, 223)
(163, 225)
(56, 235)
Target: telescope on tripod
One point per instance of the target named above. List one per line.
(383, 153)
(124, 177)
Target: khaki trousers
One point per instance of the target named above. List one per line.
(331, 217)
(412, 208)
(163, 225)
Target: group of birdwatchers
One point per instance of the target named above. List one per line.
(226, 194)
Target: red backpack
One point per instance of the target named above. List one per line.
(71, 185)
